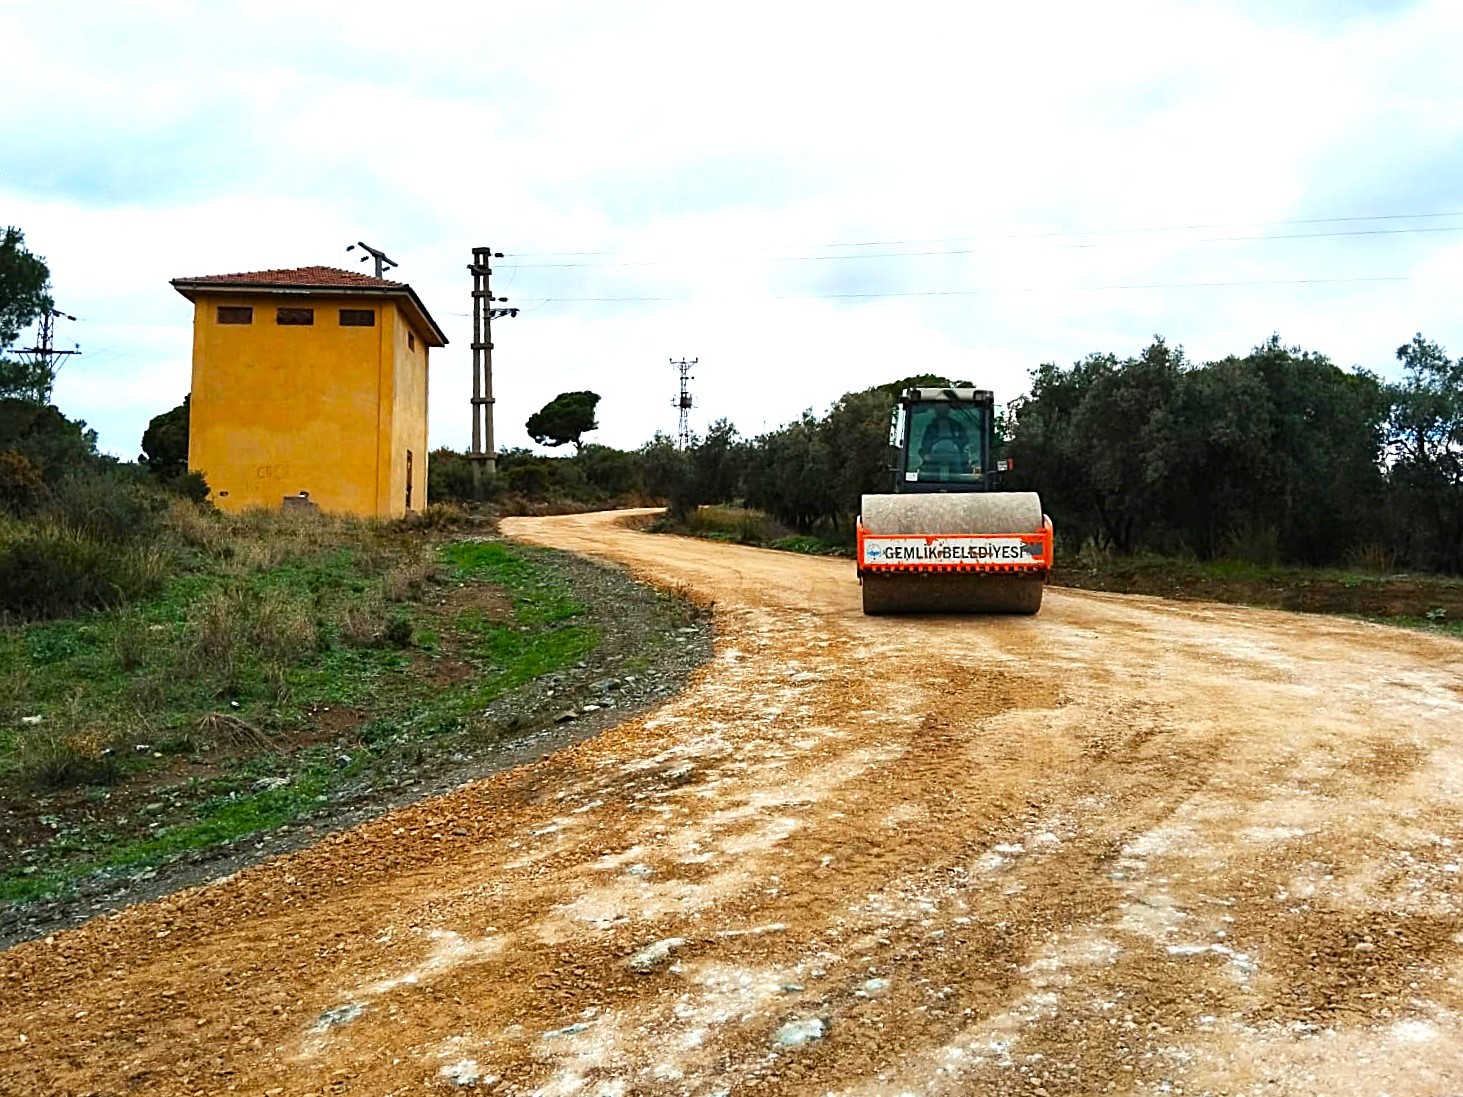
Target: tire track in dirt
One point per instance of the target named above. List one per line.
(1126, 846)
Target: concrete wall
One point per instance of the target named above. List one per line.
(408, 428)
(280, 409)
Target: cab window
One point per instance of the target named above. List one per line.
(946, 443)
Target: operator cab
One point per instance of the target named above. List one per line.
(943, 439)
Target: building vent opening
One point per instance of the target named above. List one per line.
(294, 317)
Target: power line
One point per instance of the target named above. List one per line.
(1158, 228)
(1041, 235)
(1050, 247)
(1022, 289)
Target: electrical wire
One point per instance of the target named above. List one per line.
(1015, 289)
(1038, 235)
(1050, 247)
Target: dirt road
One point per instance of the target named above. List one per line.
(1126, 846)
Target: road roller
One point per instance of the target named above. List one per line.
(947, 539)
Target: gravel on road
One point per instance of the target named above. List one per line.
(1126, 846)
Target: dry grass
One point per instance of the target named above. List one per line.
(409, 580)
(438, 516)
(279, 627)
(67, 749)
(130, 641)
(1373, 558)
(213, 633)
(226, 731)
(257, 539)
(227, 626)
(360, 626)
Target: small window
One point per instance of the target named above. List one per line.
(297, 317)
(358, 318)
(235, 314)
(411, 341)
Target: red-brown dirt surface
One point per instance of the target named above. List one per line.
(1126, 846)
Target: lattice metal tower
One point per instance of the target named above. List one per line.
(685, 401)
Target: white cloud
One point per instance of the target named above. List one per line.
(172, 139)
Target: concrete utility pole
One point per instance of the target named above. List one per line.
(685, 401)
(44, 355)
(484, 453)
(372, 253)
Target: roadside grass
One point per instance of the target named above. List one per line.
(292, 663)
(744, 526)
(1369, 587)
(1441, 625)
(1408, 600)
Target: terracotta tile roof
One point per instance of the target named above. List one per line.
(299, 276)
(304, 279)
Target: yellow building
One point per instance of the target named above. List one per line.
(310, 383)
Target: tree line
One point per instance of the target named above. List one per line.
(1276, 456)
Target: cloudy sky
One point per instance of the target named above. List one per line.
(809, 197)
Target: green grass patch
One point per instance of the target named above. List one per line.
(220, 821)
(224, 667)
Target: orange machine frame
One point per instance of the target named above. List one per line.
(1042, 537)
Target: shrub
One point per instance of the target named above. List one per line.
(611, 471)
(398, 632)
(531, 479)
(747, 527)
(198, 527)
(190, 485)
(449, 477)
(20, 482)
(226, 627)
(52, 756)
(1253, 544)
(51, 569)
(107, 506)
(1094, 555)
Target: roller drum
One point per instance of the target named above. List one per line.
(946, 513)
(952, 591)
